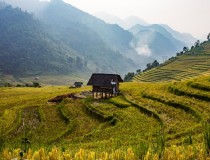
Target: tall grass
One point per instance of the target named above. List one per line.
(173, 153)
(206, 136)
(160, 142)
(2, 139)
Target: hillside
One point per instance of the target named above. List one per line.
(27, 49)
(53, 50)
(91, 37)
(188, 65)
(70, 43)
(141, 118)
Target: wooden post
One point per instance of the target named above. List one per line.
(106, 95)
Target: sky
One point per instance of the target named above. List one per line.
(189, 16)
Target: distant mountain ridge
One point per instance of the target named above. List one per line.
(184, 37)
(89, 34)
(56, 44)
(148, 36)
(126, 23)
(62, 39)
(159, 41)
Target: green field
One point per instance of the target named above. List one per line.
(146, 117)
(166, 120)
(193, 63)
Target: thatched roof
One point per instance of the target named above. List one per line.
(101, 79)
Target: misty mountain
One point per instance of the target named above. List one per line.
(126, 23)
(64, 15)
(90, 36)
(147, 36)
(132, 21)
(57, 38)
(188, 39)
(54, 43)
(156, 41)
(32, 6)
(26, 48)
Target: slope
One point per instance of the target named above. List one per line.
(53, 49)
(26, 48)
(190, 64)
(90, 36)
(134, 119)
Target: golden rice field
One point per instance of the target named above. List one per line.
(193, 63)
(168, 120)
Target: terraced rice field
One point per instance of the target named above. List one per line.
(187, 66)
(145, 115)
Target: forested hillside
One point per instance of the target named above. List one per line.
(26, 48)
(90, 36)
(56, 45)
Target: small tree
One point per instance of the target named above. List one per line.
(8, 85)
(185, 49)
(155, 64)
(197, 43)
(148, 66)
(129, 76)
(138, 71)
(208, 37)
(36, 84)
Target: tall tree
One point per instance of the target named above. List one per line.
(208, 37)
(138, 71)
(197, 43)
(155, 64)
(185, 49)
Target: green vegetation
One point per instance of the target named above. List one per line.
(150, 118)
(186, 65)
(55, 44)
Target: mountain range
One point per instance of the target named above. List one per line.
(152, 40)
(55, 38)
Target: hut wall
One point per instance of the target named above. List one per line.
(102, 89)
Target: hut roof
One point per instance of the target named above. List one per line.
(78, 83)
(102, 79)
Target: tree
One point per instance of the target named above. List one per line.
(36, 84)
(208, 37)
(148, 66)
(138, 71)
(185, 49)
(197, 43)
(155, 64)
(129, 76)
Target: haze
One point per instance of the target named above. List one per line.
(183, 15)
(188, 16)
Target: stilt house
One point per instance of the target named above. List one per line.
(105, 85)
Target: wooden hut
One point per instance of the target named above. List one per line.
(105, 85)
(78, 84)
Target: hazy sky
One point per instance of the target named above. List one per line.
(190, 16)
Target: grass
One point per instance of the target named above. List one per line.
(13, 101)
(186, 66)
(44, 80)
(148, 118)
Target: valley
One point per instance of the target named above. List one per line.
(162, 113)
